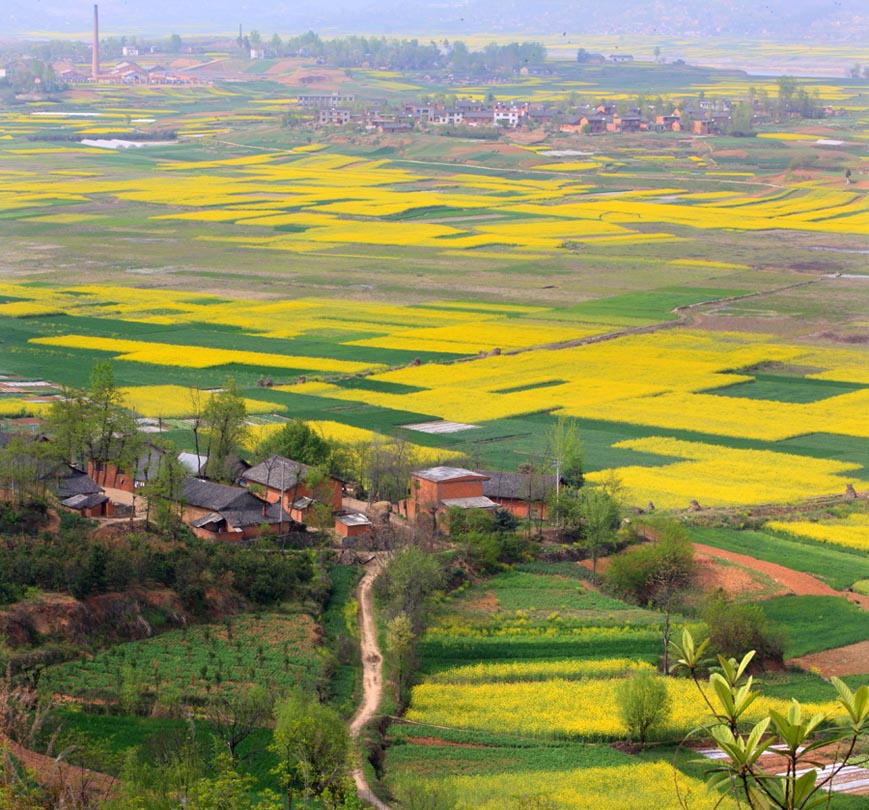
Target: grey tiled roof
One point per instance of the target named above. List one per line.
(277, 472)
(438, 474)
(518, 486)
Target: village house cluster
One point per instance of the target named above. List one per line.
(709, 117)
(125, 72)
(281, 496)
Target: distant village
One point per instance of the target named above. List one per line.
(710, 117)
(699, 117)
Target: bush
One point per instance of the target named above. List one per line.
(643, 703)
(735, 627)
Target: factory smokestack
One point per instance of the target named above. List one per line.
(95, 64)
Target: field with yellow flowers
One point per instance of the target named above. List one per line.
(515, 702)
(697, 305)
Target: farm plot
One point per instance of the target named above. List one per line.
(275, 651)
(515, 700)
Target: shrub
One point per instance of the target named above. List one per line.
(735, 627)
(643, 703)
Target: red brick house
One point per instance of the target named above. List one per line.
(352, 525)
(437, 489)
(283, 479)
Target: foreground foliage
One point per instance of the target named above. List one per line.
(799, 734)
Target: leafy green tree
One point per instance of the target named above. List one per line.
(164, 492)
(655, 574)
(408, 579)
(223, 424)
(111, 433)
(235, 714)
(564, 448)
(795, 735)
(400, 644)
(95, 425)
(643, 703)
(298, 441)
(312, 745)
(226, 789)
(736, 626)
(590, 516)
(22, 463)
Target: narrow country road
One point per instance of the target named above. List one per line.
(372, 674)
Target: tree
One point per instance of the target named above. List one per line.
(111, 433)
(655, 574)
(643, 703)
(736, 626)
(22, 464)
(383, 467)
(565, 450)
(163, 491)
(408, 579)
(794, 735)
(298, 441)
(95, 425)
(236, 713)
(312, 746)
(223, 423)
(590, 516)
(174, 44)
(400, 641)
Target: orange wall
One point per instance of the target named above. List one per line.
(429, 494)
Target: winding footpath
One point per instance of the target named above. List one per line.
(372, 674)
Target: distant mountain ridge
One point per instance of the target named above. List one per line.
(790, 20)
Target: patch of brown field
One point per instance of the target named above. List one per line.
(316, 78)
(70, 786)
(602, 565)
(445, 743)
(737, 153)
(850, 660)
(793, 581)
(735, 580)
(487, 603)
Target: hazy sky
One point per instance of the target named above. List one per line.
(786, 19)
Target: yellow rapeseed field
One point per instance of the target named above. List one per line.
(561, 708)
(852, 532)
(641, 786)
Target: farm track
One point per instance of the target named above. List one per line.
(682, 314)
(71, 784)
(372, 674)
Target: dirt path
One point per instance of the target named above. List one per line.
(852, 659)
(372, 674)
(795, 581)
(68, 782)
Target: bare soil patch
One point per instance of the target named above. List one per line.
(445, 743)
(487, 603)
(70, 785)
(850, 660)
(715, 574)
(794, 582)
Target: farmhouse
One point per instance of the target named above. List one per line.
(437, 489)
(522, 494)
(285, 480)
(76, 490)
(221, 512)
(351, 526)
(145, 469)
